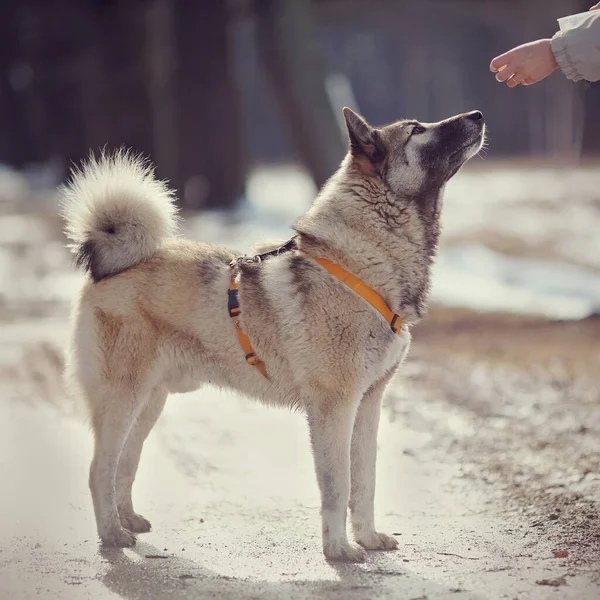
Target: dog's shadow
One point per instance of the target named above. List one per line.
(146, 573)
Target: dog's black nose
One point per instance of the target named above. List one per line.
(476, 115)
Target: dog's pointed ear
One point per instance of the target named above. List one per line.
(364, 139)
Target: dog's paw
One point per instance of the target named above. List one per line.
(377, 541)
(118, 537)
(134, 522)
(344, 551)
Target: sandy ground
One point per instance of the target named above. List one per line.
(488, 473)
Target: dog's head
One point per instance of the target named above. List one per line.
(413, 159)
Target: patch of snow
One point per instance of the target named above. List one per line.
(474, 276)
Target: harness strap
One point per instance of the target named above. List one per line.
(233, 306)
(364, 291)
(354, 283)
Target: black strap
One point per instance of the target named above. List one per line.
(233, 303)
(289, 245)
(258, 258)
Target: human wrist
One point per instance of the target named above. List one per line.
(548, 48)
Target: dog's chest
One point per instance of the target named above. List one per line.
(382, 357)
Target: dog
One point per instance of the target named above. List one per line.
(160, 314)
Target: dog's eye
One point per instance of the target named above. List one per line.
(418, 129)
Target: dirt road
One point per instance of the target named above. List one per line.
(488, 475)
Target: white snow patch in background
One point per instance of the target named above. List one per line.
(479, 278)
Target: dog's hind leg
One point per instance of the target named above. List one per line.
(112, 425)
(330, 422)
(130, 459)
(363, 458)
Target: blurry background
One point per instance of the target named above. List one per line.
(208, 89)
(238, 103)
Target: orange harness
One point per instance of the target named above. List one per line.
(353, 282)
(233, 306)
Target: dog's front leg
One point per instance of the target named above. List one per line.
(330, 422)
(364, 457)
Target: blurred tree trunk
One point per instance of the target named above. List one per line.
(591, 104)
(48, 46)
(288, 49)
(16, 147)
(161, 60)
(111, 75)
(591, 121)
(417, 84)
(209, 139)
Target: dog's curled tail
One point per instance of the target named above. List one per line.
(116, 213)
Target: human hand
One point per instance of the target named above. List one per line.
(526, 64)
(595, 7)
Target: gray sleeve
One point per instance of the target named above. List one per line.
(577, 49)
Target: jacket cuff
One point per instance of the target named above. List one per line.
(559, 49)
